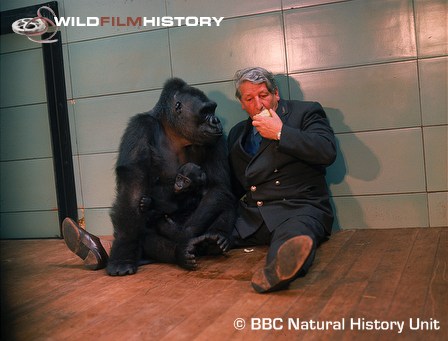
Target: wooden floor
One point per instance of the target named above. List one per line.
(361, 280)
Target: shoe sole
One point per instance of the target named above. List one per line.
(281, 271)
(74, 242)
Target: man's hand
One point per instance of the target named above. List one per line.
(268, 127)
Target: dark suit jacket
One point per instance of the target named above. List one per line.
(285, 178)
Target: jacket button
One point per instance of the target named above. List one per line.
(259, 203)
(277, 183)
(276, 170)
(253, 188)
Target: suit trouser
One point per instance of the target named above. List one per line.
(293, 227)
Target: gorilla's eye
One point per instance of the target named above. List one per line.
(178, 107)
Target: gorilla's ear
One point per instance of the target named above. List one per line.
(178, 107)
(171, 87)
(177, 103)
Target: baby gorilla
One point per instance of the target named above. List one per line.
(188, 190)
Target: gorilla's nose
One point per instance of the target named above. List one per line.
(215, 120)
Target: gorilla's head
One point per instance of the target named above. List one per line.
(189, 112)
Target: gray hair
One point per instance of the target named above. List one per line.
(256, 75)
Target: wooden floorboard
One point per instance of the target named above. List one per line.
(358, 276)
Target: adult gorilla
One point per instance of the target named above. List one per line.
(181, 128)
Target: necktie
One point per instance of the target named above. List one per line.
(253, 143)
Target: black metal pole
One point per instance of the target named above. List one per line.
(60, 126)
(57, 111)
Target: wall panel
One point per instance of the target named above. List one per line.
(349, 33)
(364, 98)
(119, 64)
(214, 53)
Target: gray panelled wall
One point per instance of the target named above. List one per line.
(379, 67)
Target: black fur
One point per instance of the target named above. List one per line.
(181, 128)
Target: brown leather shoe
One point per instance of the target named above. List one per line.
(290, 258)
(85, 245)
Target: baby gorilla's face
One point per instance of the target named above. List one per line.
(189, 177)
(182, 184)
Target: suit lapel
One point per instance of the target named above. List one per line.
(238, 147)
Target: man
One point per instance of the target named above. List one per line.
(281, 179)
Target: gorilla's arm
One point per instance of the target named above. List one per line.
(131, 180)
(216, 210)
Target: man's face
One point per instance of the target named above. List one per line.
(256, 97)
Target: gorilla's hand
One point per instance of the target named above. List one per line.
(169, 220)
(222, 241)
(145, 204)
(212, 243)
(121, 268)
(123, 258)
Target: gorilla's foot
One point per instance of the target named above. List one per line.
(85, 245)
(284, 267)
